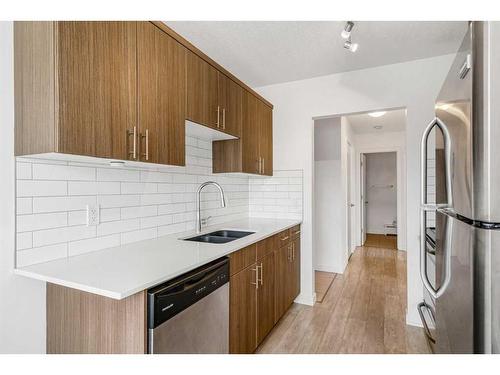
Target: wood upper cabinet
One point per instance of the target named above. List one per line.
(253, 152)
(265, 296)
(243, 311)
(202, 92)
(75, 87)
(162, 64)
(230, 99)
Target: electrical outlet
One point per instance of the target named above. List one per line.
(92, 215)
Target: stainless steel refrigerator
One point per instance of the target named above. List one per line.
(460, 201)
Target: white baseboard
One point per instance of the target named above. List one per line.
(328, 268)
(306, 300)
(413, 319)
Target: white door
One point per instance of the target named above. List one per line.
(363, 202)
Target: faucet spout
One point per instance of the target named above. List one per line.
(198, 201)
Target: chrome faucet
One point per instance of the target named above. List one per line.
(198, 205)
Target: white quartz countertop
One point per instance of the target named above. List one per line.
(121, 271)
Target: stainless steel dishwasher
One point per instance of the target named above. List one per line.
(190, 314)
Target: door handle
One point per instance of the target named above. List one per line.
(224, 118)
(218, 115)
(146, 141)
(256, 283)
(425, 207)
(261, 273)
(293, 251)
(420, 307)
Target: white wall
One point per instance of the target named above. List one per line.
(22, 310)
(380, 176)
(413, 85)
(327, 196)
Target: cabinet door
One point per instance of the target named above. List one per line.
(282, 269)
(295, 270)
(266, 138)
(243, 311)
(265, 296)
(230, 98)
(250, 135)
(202, 103)
(162, 96)
(97, 87)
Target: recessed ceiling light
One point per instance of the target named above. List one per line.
(378, 127)
(377, 114)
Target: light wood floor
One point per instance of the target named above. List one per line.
(381, 240)
(322, 283)
(363, 312)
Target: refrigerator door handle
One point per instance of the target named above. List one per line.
(424, 207)
(421, 306)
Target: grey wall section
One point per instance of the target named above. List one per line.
(327, 139)
(22, 306)
(381, 172)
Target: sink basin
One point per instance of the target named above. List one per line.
(220, 236)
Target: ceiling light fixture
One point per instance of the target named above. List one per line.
(377, 114)
(378, 127)
(346, 34)
(353, 47)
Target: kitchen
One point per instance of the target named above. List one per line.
(163, 205)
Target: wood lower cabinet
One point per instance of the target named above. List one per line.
(262, 292)
(243, 311)
(162, 64)
(266, 296)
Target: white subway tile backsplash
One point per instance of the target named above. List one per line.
(23, 171)
(24, 206)
(58, 204)
(31, 188)
(93, 188)
(41, 254)
(65, 234)
(136, 202)
(27, 223)
(93, 244)
(62, 172)
(117, 227)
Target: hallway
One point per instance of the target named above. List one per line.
(363, 312)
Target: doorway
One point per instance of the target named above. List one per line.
(379, 199)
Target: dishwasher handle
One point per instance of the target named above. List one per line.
(168, 299)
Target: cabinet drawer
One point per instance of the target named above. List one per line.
(266, 246)
(241, 259)
(283, 238)
(295, 232)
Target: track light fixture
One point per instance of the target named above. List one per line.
(346, 34)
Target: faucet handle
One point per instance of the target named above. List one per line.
(204, 221)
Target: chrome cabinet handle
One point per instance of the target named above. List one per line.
(133, 133)
(297, 232)
(293, 251)
(285, 238)
(263, 165)
(146, 136)
(218, 115)
(420, 307)
(224, 118)
(425, 207)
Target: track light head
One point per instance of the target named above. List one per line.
(347, 29)
(353, 47)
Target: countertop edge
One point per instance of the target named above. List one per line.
(26, 272)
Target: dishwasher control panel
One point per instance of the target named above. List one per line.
(168, 299)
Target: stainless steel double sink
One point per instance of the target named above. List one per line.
(219, 236)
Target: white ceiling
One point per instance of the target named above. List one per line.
(263, 53)
(392, 121)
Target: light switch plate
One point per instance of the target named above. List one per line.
(92, 215)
